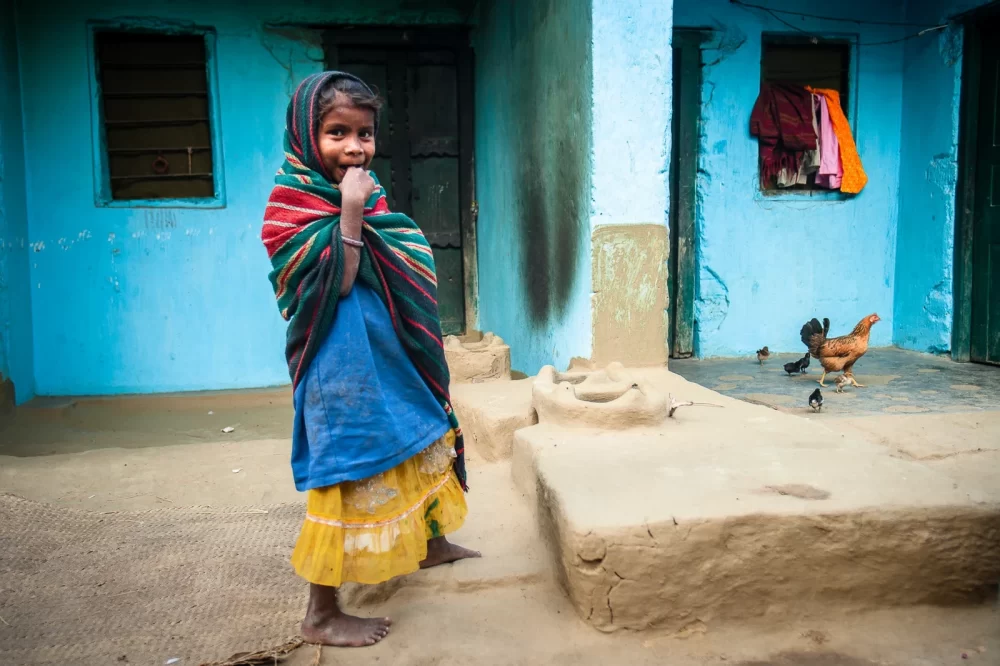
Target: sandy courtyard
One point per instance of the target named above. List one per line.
(168, 454)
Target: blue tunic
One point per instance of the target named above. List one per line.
(362, 407)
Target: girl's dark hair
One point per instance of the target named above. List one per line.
(358, 94)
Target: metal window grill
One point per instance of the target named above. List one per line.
(154, 100)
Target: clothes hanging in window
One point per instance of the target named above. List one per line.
(854, 177)
(782, 121)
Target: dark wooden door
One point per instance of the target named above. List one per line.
(683, 175)
(985, 333)
(424, 149)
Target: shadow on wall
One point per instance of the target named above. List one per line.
(552, 152)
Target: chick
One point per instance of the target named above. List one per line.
(840, 381)
(793, 367)
(816, 400)
(763, 354)
(804, 363)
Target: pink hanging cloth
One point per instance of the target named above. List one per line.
(831, 171)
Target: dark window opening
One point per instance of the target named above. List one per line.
(800, 61)
(155, 112)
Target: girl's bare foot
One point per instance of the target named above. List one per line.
(344, 630)
(442, 551)
(326, 624)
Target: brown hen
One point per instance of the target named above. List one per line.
(838, 354)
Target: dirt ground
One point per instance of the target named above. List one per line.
(133, 454)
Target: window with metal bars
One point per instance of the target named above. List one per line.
(155, 114)
(803, 61)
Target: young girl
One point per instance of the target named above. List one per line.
(375, 441)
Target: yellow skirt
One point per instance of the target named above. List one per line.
(375, 529)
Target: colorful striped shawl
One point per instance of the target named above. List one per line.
(302, 236)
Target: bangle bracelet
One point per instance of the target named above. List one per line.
(352, 242)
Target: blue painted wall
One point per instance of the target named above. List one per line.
(632, 96)
(533, 148)
(15, 293)
(928, 175)
(142, 300)
(767, 264)
(125, 300)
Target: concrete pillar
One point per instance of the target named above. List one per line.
(630, 186)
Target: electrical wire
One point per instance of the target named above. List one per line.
(906, 38)
(774, 14)
(775, 17)
(832, 18)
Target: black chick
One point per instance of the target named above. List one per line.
(804, 363)
(816, 400)
(793, 367)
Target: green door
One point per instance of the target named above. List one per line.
(985, 336)
(424, 150)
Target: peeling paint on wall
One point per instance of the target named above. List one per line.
(950, 45)
(938, 303)
(726, 39)
(712, 306)
(298, 51)
(630, 294)
(942, 175)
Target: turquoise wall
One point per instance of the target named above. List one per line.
(767, 264)
(928, 176)
(165, 299)
(15, 293)
(533, 148)
(632, 97)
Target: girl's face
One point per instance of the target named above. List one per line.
(346, 138)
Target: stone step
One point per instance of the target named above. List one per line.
(500, 525)
(490, 413)
(477, 357)
(737, 511)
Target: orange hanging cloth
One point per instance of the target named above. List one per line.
(855, 177)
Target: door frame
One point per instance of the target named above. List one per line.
(455, 39)
(683, 218)
(965, 196)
